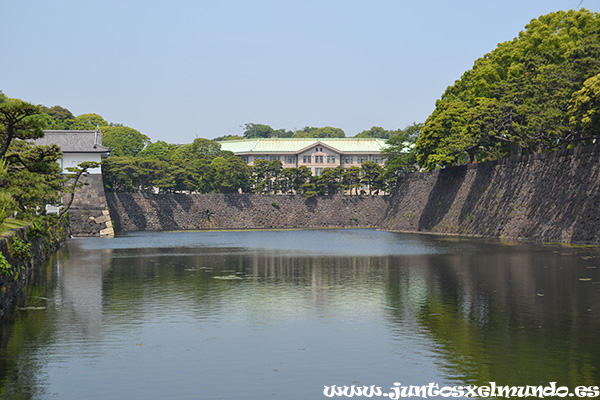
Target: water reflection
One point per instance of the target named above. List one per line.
(249, 315)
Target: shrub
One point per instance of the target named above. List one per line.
(20, 249)
(5, 268)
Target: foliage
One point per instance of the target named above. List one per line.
(72, 178)
(5, 268)
(200, 148)
(123, 141)
(372, 176)
(89, 122)
(376, 132)
(584, 109)
(36, 230)
(231, 175)
(514, 100)
(34, 177)
(159, 150)
(7, 203)
(228, 137)
(324, 132)
(400, 153)
(252, 130)
(18, 120)
(351, 179)
(20, 249)
(275, 204)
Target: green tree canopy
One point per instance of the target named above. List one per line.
(514, 100)
(584, 109)
(198, 149)
(19, 120)
(376, 132)
(231, 174)
(123, 141)
(88, 122)
(159, 150)
(253, 130)
(228, 137)
(59, 113)
(324, 132)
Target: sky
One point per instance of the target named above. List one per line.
(180, 69)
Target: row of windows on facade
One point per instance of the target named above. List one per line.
(317, 159)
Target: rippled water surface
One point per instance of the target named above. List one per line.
(281, 314)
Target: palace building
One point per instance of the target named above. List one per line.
(315, 153)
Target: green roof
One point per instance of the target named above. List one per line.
(276, 145)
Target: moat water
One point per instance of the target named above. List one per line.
(282, 314)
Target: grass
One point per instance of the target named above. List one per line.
(11, 224)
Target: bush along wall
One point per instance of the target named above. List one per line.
(23, 250)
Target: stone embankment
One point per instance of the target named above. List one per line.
(89, 213)
(549, 198)
(140, 212)
(26, 250)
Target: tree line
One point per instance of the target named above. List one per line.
(202, 167)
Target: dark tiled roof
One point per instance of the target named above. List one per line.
(74, 141)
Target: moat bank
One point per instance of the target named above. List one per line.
(154, 212)
(26, 250)
(549, 198)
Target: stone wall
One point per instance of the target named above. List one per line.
(136, 211)
(550, 198)
(89, 213)
(42, 244)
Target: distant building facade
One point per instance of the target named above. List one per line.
(316, 154)
(76, 147)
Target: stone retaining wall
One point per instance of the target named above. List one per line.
(89, 213)
(550, 198)
(136, 211)
(41, 248)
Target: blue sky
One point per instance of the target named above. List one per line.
(168, 68)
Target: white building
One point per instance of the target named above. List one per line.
(76, 147)
(315, 154)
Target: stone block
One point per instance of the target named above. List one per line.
(107, 232)
(102, 219)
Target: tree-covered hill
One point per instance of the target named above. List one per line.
(529, 94)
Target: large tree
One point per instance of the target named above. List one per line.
(514, 100)
(198, 149)
(252, 130)
(123, 141)
(159, 150)
(88, 122)
(19, 120)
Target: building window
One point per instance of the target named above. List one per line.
(361, 159)
(319, 159)
(245, 159)
(290, 160)
(273, 158)
(347, 160)
(306, 159)
(318, 171)
(331, 159)
(377, 160)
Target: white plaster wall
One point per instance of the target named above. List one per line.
(74, 159)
